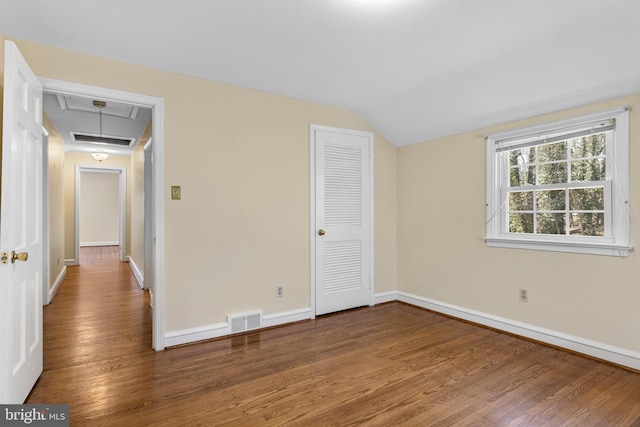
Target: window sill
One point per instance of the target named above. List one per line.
(592, 248)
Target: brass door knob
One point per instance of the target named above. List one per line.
(22, 256)
(321, 232)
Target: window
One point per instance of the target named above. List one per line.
(561, 186)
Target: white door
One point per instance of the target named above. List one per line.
(20, 230)
(342, 230)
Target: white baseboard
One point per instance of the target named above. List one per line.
(108, 243)
(620, 356)
(71, 262)
(217, 330)
(136, 272)
(382, 297)
(53, 290)
(276, 319)
(185, 336)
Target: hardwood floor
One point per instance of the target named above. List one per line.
(388, 365)
(99, 254)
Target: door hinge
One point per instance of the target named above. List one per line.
(4, 258)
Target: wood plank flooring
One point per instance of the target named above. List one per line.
(388, 365)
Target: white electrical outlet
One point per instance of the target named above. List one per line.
(524, 295)
(279, 291)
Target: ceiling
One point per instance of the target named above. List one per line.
(414, 69)
(76, 115)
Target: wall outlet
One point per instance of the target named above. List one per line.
(279, 291)
(524, 295)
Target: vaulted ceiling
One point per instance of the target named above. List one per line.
(414, 69)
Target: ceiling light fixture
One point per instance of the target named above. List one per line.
(100, 155)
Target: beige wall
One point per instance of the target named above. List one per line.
(56, 200)
(99, 208)
(441, 253)
(85, 159)
(136, 250)
(242, 159)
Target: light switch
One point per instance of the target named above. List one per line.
(175, 192)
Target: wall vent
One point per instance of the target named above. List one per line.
(244, 322)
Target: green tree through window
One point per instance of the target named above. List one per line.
(537, 207)
(561, 186)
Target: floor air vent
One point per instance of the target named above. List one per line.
(244, 322)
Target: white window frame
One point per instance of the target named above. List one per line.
(616, 239)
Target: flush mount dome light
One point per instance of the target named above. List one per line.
(100, 156)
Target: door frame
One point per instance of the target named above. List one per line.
(46, 264)
(157, 117)
(312, 207)
(148, 218)
(122, 205)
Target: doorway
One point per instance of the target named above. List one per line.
(156, 182)
(100, 209)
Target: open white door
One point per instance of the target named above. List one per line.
(20, 230)
(342, 176)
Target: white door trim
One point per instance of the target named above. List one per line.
(147, 274)
(312, 209)
(122, 205)
(46, 295)
(157, 105)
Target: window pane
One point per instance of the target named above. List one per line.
(586, 199)
(521, 201)
(587, 224)
(588, 146)
(551, 223)
(589, 170)
(522, 156)
(551, 152)
(552, 173)
(551, 200)
(521, 223)
(522, 175)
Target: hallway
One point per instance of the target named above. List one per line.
(99, 318)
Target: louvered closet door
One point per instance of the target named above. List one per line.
(342, 220)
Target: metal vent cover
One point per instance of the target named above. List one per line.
(244, 322)
(102, 140)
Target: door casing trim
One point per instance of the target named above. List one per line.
(157, 117)
(122, 205)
